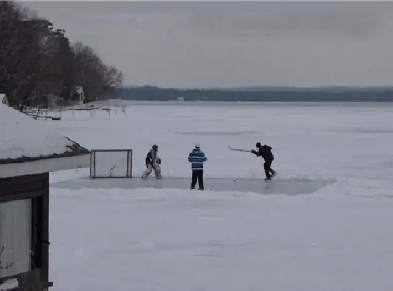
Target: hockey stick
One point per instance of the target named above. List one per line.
(239, 150)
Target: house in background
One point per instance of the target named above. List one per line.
(3, 99)
(29, 150)
(78, 96)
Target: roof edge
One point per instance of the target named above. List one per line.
(44, 166)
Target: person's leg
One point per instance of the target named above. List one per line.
(193, 179)
(266, 167)
(157, 171)
(200, 180)
(271, 171)
(148, 171)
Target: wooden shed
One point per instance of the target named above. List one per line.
(29, 151)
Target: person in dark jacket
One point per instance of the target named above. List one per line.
(197, 158)
(153, 162)
(265, 152)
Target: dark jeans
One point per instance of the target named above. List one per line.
(268, 170)
(197, 175)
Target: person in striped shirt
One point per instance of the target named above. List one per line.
(197, 157)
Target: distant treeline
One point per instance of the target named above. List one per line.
(324, 94)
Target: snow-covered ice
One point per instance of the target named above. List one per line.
(309, 141)
(175, 240)
(335, 239)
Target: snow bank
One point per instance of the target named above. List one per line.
(67, 175)
(357, 188)
(9, 284)
(22, 136)
(340, 190)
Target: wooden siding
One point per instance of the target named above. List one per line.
(22, 187)
(35, 187)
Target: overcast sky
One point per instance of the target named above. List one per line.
(228, 44)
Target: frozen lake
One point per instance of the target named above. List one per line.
(132, 234)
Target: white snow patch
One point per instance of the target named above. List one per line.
(9, 284)
(23, 136)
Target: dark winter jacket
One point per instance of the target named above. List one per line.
(197, 158)
(265, 152)
(151, 157)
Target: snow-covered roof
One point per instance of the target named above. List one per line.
(24, 139)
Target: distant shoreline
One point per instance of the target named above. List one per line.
(261, 94)
(229, 104)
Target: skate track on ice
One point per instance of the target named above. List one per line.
(276, 186)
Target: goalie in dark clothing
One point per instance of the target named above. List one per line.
(153, 162)
(265, 152)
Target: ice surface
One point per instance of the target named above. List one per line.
(276, 186)
(335, 239)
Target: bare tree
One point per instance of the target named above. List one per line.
(113, 79)
(9, 42)
(26, 54)
(98, 80)
(36, 60)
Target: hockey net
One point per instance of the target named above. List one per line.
(111, 163)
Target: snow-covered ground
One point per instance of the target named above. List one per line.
(337, 238)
